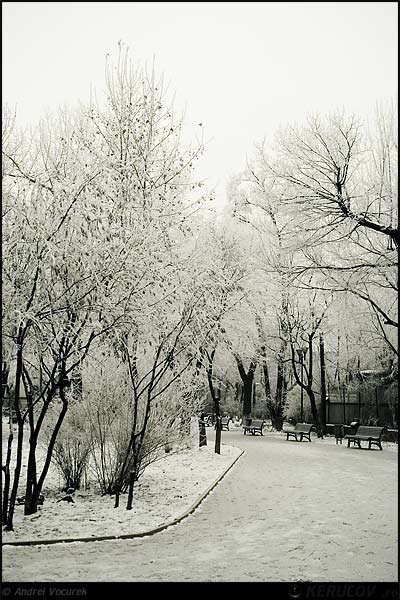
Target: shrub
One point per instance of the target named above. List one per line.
(73, 447)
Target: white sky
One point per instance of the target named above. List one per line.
(241, 68)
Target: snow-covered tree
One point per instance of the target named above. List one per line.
(98, 225)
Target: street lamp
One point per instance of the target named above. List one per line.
(302, 354)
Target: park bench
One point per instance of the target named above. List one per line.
(253, 426)
(225, 423)
(303, 430)
(372, 435)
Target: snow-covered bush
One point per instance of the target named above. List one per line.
(73, 447)
(109, 415)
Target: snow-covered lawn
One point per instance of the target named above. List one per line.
(167, 489)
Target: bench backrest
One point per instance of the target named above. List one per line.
(303, 427)
(256, 423)
(365, 430)
(225, 420)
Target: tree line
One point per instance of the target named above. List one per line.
(125, 297)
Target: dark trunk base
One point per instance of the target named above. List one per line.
(277, 423)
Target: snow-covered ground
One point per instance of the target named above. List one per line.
(286, 511)
(167, 489)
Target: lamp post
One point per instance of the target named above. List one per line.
(302, 354)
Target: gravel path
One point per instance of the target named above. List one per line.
(286, 511)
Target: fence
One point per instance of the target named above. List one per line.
(377, 405)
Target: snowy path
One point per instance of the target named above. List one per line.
(285, 512)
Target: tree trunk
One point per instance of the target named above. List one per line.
(6, 469)
(31, 506)
(247, 395)
(267, 386)
(132, 477)
(137, 443)
(280, 396)
(20, 438)
(216, 401)
(31, 476)
(275, 406)
(323, 383)
(314, 411)
(309, 381)
(202, 431)
(309, 390)
(247, 379)
(218, 429)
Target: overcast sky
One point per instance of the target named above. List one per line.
(240, 68)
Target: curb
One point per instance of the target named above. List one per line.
(129, 536)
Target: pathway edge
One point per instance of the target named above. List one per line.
(128, 536)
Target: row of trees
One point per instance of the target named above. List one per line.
(321, 201)
(104, 251)
(125, 301)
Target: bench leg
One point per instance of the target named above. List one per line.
(348, 443)
(376, 443)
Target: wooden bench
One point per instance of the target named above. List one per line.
(255, 426)
(303, 430)
(224, 423)
(372, 435)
